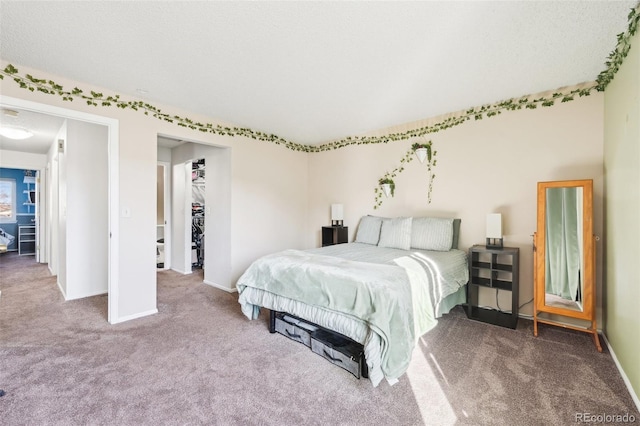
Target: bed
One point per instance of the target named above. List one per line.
(384, 290)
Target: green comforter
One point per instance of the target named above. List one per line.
(392, 299)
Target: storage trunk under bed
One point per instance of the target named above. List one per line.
(332, 346)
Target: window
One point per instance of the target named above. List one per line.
(7, 200)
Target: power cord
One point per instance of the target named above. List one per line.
(508, 312)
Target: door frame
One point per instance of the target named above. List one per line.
(166, 172)
(113, 126)
(188, 251)
(41, 226)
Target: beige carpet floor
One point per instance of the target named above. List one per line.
(199, 361)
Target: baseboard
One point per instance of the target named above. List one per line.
(82, 296)
(135, 316)
(181, 271)
(622, 373)
(635, 398)
(64, 294)
(227, 289)
(525, 316)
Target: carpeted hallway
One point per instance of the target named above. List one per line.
(199, 361)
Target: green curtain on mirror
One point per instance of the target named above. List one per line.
(563, 242)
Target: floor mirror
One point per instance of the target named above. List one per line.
(564, 288)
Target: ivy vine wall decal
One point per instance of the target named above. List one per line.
(617, 56)
(96, 99)
(92, 98)
(613, 63)
(615, 60)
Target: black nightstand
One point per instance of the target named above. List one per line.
(334, 235)
(493, 268)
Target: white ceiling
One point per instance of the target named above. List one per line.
(312, 72)
(44, 128)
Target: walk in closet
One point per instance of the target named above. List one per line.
(197, 212)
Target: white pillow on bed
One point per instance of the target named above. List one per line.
(432, 233)
(396, 233)
(369, 230)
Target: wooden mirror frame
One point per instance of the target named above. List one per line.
(588, 312)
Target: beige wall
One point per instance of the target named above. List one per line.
(160, 196)
(484, 166)
(281, 198)
(85, 214)
(268, 204)
(622, 186)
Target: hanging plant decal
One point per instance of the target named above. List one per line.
(388, 186)
(422, 150)
(430, 157)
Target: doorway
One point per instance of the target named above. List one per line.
(111, 179)
(198, 203)
(19, 221)
(209, 168)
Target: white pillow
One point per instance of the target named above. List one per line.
(369, 230)
(396, 233)
(432, 233)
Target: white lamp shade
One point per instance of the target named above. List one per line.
(337, 212)
(494, 225)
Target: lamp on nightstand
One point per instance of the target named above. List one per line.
(337, 214)
(494, 231)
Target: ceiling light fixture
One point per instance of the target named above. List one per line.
(10, 113)
(15, 133)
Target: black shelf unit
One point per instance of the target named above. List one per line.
(334, 235)
(498, 269)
